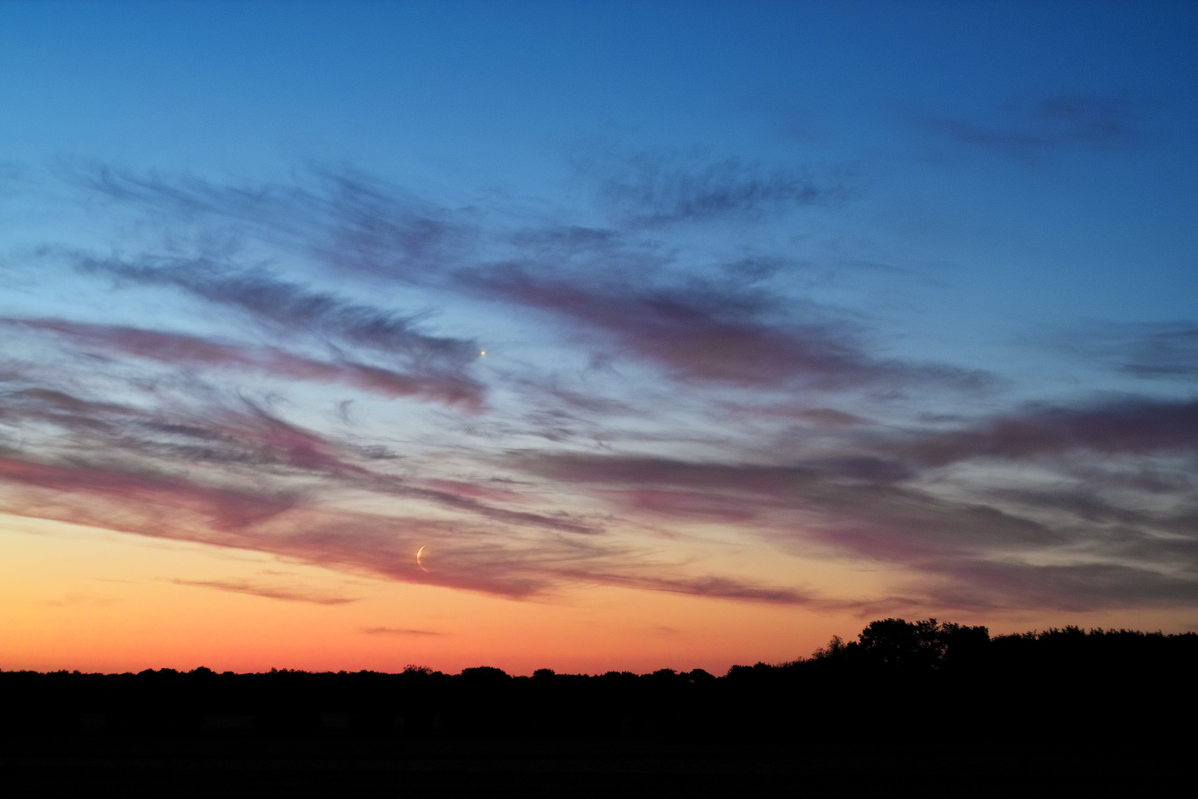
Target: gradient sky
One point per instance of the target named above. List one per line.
(677, 335)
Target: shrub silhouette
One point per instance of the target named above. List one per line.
(899, 681)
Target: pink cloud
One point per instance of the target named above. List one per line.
(192, 351)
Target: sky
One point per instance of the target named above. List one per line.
(590, 336)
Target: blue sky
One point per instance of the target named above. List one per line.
(901, 290)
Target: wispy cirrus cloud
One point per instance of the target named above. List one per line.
(458, 554)
(1133, 425)
(1028, 130)
(658, 189)
(239, 443)
(716, 588)
(805, 456)
(1156, 351)
(235, 439)
(1079, 587)
(402, 632)
(190, 351)
(1090, 538)
(358, 222)
(292, 308)
(853, 505)
(699, 333)
(612, 288)
(1166, 352)
(247, 480)
(287, 594)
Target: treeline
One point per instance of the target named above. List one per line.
(899, 681)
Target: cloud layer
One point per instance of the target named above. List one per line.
(658, 402)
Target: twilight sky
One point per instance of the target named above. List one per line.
(668, 334)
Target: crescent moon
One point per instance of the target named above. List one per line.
(418, 563)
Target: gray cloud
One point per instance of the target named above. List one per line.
(712, 587)
(985, 585)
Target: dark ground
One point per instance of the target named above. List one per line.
(910, 708)
(354, 768)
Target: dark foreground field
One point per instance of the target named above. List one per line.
(937, 709)
(356, 768)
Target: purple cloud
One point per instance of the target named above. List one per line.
(1115, 519)
(1131, 426)
(293, 308)
(731, 331)
(192, 351)
(700, 334)
(1113, 555)
(490, 550)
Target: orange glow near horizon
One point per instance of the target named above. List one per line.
(74, 597)
(589, 337)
